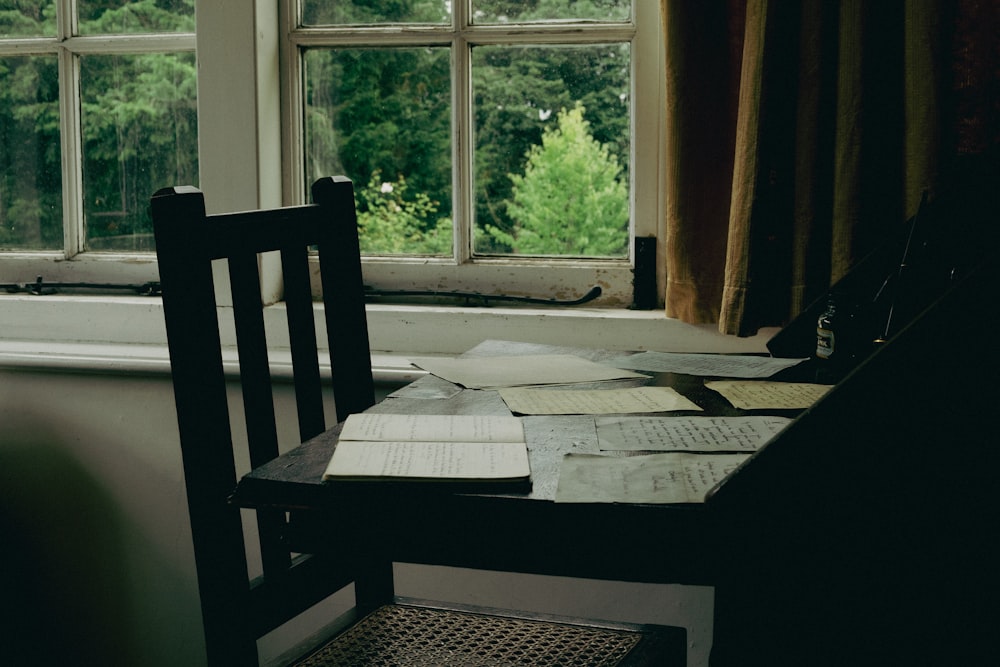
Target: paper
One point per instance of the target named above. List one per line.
(594, 401)
(695, 434)
(358, 460)
(652, 478)
(718, 365)
(429, 447)
(520, 370)
(766, 395)
(448, 428)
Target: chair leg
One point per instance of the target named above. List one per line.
(374, 586)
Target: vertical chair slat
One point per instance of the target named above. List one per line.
(343, 292)
(302, 334)
(258, 397)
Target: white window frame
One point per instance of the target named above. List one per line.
(71, 263)
(247, 138)
(539, 278)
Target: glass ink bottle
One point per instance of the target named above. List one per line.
(826, 331)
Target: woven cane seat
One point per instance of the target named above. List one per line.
(403, 636)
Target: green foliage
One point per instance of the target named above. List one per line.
(516, 90)
(570, 200)
(323, 12)
(30, 176)
(385, 110)
(136, 16)
(532, 10)
(21, 18)
(390, 222)
(139, 120)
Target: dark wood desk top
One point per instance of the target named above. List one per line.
(671, 539)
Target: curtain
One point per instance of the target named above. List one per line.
(801, 134)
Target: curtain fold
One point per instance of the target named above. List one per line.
(801, 135)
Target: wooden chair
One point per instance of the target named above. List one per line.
(237, 611)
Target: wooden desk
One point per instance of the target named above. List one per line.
(862, 535)
(514, 532)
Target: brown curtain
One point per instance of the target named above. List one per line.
(801, 134)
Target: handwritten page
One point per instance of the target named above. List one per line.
(359, 460)
(446, 428)
(594, 401)
(695, 434)
(520, 370)
(769, 395)
(652, 478)
(718, 365)
(429, 447)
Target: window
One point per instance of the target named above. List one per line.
(491, 143)
(97, 110)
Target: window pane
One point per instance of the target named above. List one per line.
(114, 17)
(381, 117)
(552, 150)
(519, 11)
(28, 19)
(139, 122)
(30, 176)
(324, 12)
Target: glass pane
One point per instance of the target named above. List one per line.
(28, 19)
(381, 117)
(140, 133)
(521, 11)
(552, 145)
(30, 171)
(324, 12)
(116, 17)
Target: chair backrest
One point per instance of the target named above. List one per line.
(187, 243)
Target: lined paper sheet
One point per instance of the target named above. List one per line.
(446, 428)
(361, 460)
(375, 446)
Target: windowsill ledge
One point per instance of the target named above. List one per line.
(126, 334)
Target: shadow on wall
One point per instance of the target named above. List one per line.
(64, 589)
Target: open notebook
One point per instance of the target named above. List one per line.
(481, 450)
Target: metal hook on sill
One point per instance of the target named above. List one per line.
(485, 299)
(41, 288)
